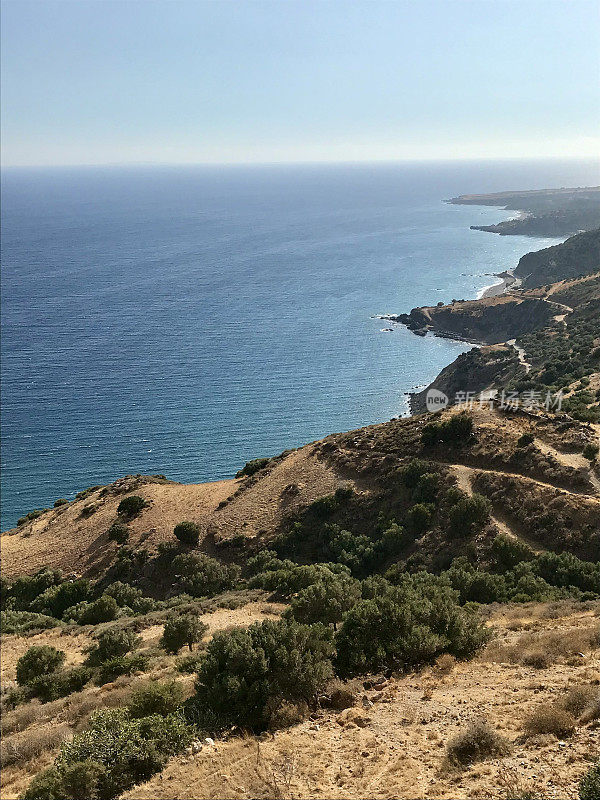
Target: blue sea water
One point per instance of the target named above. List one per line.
(184, 320)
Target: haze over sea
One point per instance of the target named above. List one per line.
(183, 320)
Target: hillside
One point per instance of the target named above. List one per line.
(407, 609)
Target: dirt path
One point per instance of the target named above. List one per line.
(464, 477)
(574, 460)
(521, 354)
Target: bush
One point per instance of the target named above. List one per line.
(458, 428)
(127, 596)
(247, 673)
(189, 664)
(27, 587)
(525, 439)
(74, 782)
(419, 517)
(37, 661)
(469, 514)
(184, 630)
(111, 669)
(407, 626)
(590, 451)
(252, 466)
(187, 533)
(21, 622)
(202, 576)
(161, 698)
(114, 754)
(477, 742)
(111, 643)
(589, 785)
(580, 698)
(60, 502)
(104, 609)
(326, 601)
(118, 532)
(131, 506)
(550, 719)
(55, 600)
(508, 552)
(59, 684)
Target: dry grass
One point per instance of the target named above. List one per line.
(478, 742)
(22, 747)
(581, 699)
(550, 720)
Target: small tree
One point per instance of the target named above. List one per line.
(104, 609)
(203, 576)
(187, 629)
(112, 643)
(249, 672)
(590, 451)
(37, 661)
(187, 533)
(326, 601)
(131, 506)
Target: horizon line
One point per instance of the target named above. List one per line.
(301, 162)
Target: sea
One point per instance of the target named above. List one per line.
(183, 320)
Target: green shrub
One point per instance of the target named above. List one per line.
(590, 451)
(21, 622)
(59, 684)
(131, 506)
(162, 698)
(27, 587)
(55, 600)
(247, 673)
(118, 532)
(127, 596)
(60, 502)
(459, 428)
(419, 517)
(111, 643)
(589, 785)
(188, 533)
(114, 754)
(104, 609)
(111, 669)
(38, 660)
(407, 626)
(189, 663)
(184, 630)
(469, 515)
(74, 782)
(203, 576)
(326, 601)
(252, 466)
(508, 552)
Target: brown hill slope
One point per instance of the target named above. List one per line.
(248, 512)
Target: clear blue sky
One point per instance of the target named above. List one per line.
(89, 82)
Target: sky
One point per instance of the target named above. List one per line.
(228, 81)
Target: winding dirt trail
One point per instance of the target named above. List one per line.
(574, 460)
(464, 477)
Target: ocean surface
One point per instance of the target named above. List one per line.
(184, 320)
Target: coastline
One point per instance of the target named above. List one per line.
(507, 281)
